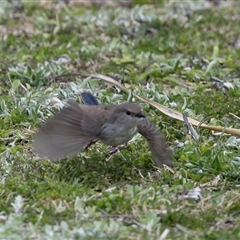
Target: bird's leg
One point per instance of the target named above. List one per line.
(113, 150)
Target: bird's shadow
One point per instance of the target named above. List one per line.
(99, 171)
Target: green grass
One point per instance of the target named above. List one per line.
(169, 52)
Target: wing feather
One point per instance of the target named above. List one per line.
(157, 144)
(64, 134)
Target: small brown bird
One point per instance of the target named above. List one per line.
(78, 126)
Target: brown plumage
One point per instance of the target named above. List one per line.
(158, 146)
(77, 126)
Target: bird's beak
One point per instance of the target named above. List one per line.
(140, 115)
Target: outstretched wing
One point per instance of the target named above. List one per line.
(64, 134)
(157, 144)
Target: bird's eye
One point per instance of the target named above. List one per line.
(128, 112)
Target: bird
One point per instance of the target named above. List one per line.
(76, 127)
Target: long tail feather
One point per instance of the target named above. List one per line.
(89, 99)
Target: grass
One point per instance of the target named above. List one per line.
(182, 55)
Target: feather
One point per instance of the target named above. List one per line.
(157, 144)
(64, 134)
(89, 99)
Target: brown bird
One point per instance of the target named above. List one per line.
(78, 126)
